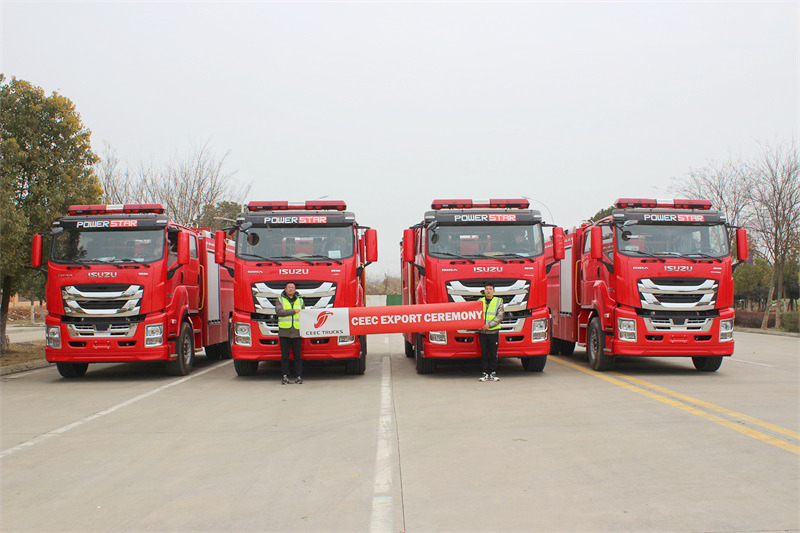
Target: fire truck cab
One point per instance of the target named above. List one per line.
(653, 279)
(317, 245)
(460, 245)
(126, 284)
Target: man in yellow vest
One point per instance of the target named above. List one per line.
(489, 334)
(287, 307)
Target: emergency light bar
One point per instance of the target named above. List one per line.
(622, 203)
(98, 209)
(311, 205)
(513, 203)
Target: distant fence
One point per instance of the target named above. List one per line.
(378, 300)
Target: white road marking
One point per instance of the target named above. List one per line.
(382, 505)
(63, 429)
(751, 363)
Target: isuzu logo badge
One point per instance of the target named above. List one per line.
(102, 274)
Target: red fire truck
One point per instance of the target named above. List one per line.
(448, 257)
(126, 284)
(653, 279)
(317, 245)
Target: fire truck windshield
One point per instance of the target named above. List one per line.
(677, 240)
(276, 242)
(473, 241)
(108, 246)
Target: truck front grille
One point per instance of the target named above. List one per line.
(102, 300)
(514, 293)
(684, 294)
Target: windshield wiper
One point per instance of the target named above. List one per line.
(133, 261)
(487, 256)
(523, 256)
(701, 254)
(678, 254)
(261, 257)
(325, 258)
(455, 255)
(80, 262)
(107, 261)
(294, 258)
(646, 255)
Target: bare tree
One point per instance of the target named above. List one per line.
(186, 186)
(119, 184)
(773, 187)
(724, 184)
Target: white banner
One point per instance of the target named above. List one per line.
(331, 322)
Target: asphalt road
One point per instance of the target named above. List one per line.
(654, 445)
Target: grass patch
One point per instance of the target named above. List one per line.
(23, 352)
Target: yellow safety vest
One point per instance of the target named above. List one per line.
(290, 321)
(490, 311)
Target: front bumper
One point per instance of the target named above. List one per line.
(651, 341)
(93, 348)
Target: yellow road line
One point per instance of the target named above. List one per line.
(740, 416)
(688, 408)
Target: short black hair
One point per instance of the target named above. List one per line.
(489, 284)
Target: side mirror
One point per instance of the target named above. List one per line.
(742, 252)
(409, 250)
(597, 242)
(558, 244)
(372, 245)
(219, 247)
(36, 251)
(183, 248)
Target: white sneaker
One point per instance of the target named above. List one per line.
(484, 377)
(493, 377)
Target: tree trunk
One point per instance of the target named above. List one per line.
(4, 305)
(765, 320)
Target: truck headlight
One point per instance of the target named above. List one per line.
(726, 330)
(539, 330)
(437, 337)
(241, 334)
(344, 340)
(53, 336)
(626, 329)
(153, 335)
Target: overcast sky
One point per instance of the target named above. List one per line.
(388, 105)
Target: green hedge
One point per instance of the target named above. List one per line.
(791, 321)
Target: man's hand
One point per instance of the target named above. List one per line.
(296, 311)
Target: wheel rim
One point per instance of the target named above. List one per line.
(186, 350)
(594, 345)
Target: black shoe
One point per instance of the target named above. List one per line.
(298, 380)
(285, 380)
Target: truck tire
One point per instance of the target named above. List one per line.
(409, 348)
(534, 363)
(245, 368)
(424, 364)
(227, 350)
(184, 348)
(707, 364)
(566, 348)
(357, 366)
(72, 370)
(221, 350)
(596, 341)
(212, 352)
(555, 346)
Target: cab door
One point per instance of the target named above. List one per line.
(191, 274)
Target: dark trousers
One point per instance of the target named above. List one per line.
(488, 343)
(293, 344)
